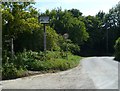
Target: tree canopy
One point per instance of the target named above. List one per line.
(95, 35)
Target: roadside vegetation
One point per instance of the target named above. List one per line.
(50, 61)
(88, 36)
(117, 50)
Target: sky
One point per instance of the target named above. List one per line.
(87, 7)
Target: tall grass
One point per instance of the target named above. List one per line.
(50, 61)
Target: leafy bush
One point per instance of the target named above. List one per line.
(117, 49)
(33, 40)
(37, 61)
(55, 64)
(47, 61)
(9, 71)
(68, 45)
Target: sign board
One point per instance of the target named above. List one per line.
(7, 40)
(44, 19)
(66, 35)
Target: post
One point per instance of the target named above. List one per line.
(66, 36)
(67, 49)
(44, 20)
(107, 42)
(45, 37)
(12, 48)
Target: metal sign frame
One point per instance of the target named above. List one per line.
(44, 19)
(66, 35)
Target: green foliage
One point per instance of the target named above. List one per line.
(103, 30)
(75, 12)
(17, 21)
(68, 45)
(9, 71)
(37, 61)
(97, 36)
(78, 32)
(91, 33)
(52, 40)
(88, 34)
(117, 49)
(68, 23)
(34, 40)
(20, 21)
(53, 61)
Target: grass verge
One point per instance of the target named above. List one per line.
(25, 62)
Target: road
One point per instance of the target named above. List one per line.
(92, 73)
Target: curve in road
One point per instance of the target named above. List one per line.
(92, 73)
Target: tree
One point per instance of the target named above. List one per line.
(103, 30)
(117, 49)
(75, 12)
(112, 26)
(20, 21)
(71, 25)
(94, 44)
(17, 18)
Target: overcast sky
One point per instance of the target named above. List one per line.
(87, 7)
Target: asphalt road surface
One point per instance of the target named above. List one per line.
(92, 73)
